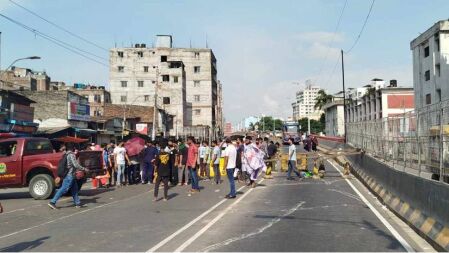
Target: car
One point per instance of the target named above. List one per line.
(32, 162)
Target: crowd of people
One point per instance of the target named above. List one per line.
(173, 162)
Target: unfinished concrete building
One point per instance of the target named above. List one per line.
(182, 81)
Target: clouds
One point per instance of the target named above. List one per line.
(258, 69)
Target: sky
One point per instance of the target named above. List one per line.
(263, 48)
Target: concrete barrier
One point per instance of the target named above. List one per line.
(422, 203)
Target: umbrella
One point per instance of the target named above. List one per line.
(134, 146)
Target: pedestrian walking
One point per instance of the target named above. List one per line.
(216, 162)
(192, 157)
(292, 160)
(173, 153)
(230, 156)
(121, 157)
(162, 165)
(204, 151)
(67, 170)
(314, 143)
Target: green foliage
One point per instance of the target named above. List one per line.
(322, 99)
(315, 125)
(268, 123)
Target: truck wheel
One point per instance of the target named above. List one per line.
(41, 186)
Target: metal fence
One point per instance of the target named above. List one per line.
(416, 142)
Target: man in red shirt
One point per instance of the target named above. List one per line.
(192, 156)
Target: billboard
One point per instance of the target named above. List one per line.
(80, 112)
(142, 128)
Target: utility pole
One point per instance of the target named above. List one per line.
(153, 132)
(344, 92)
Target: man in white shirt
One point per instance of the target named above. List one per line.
(230, 155)
(292, 160)
(120, 160)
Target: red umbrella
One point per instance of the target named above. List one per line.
(134, 146)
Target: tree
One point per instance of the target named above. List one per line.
(269, 123)
(322, 99)
(315, 125)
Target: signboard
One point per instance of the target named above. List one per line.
(142, 128)
(22, 112)
(80, 112)
(24, 129)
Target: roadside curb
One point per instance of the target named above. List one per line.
(433, 231)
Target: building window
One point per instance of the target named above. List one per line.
(165, 78)
(124, 84)
(197, 98)
(437, 70)
(163, 58)
(437, 42)
(427, 75)
(145, 68)
(426, 51)
(166, 100)
(175, 79)
(139, 83)
(120, 54)
(97, 98)
(140, 54)
(123, 98)
(197, 112)
(146, 98)
(428, 99)
(196, 84)
(121, 69)
(196, 69)
(197, 55)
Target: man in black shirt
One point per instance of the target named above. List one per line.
(182, 170)
(163, 172)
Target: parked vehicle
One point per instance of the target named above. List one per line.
(290, 129)
(32, 162)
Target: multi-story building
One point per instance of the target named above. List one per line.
(334, 115)
(97, 97)
(304, 106)
(380, 103)
(181, 80)
(431, 65)
(17, 114)
(24, 79)
(60, 109)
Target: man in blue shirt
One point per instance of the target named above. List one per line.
(149, 155)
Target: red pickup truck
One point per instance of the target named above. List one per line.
(32, 162)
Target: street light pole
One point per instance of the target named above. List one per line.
(20, 59)
(344, 92)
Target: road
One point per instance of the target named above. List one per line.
(278, 215)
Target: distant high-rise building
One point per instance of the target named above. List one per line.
(304, 105)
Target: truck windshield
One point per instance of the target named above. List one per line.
(291, 129)
(8, 148)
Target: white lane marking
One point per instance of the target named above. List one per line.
(393, 231)
(347, 194)
(212, 222)
(70, 215)
(256, 232)
(169, 238)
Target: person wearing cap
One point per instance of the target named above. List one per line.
(230, 156)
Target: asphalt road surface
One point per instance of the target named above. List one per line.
(278, 215)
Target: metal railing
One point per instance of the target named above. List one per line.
(416, 142)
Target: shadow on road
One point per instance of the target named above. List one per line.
(15, 195)
(25, 246)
